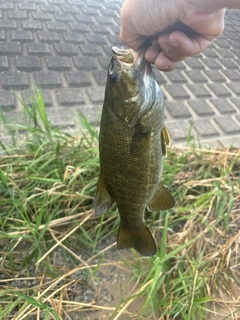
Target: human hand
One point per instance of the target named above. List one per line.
(178, 28)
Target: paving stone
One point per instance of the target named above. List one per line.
(14, 80)
(61, 117)
(29, 97)
(236, 52)
(64, 17)
(38, 49)
(73, 37)
(157, 74)
(96, 28)
(100, 77)
(103, 20)
(214, 75)
(115, 40)
(21, 35)
(49, 8)
(79, 27)
(4, 65)
(46, 36)
(201, 107)
(235, 87)
(94, 4)
(37, 1)
(70, 9)
(55, 26)
(6, 5)
(232, 75)
(31, 25)
(90, 49)
(231, 35)
(7, 99)
(218, 89)
(75, 2)
(28, 63)
(108, 50)
(196, 76)
(204, 127)
(8, 24)
(210, 53)
(27, 6)
(234, 43)
(85, 63)
(43, 16)
(93, 114)
(70, 96)
(18, 15)
(194, 63)
(210, 63)
(230, 141)
(47, 80)
(65, 49)
(109, 13)
(2, 35)
(199, 91)
(176, 91)
(221, 43)
(236, 102)
(90, 11)
(84, 19)
(115, 29)
(177, 109)
(178, 130)
(57, 63)
(224, 53)
(223, 106)
(96, 39)
(78, 79)
(227, 124)
(228, 63)
(104, 62)
(10, 48)
(176, 77)
(56, 1)
(96, 94)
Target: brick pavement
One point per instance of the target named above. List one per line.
(64, 46)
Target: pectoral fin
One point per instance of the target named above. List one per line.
(162, 200)
(103, 201)
(140, 140)
(165, 139)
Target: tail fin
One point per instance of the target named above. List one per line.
(141, 240)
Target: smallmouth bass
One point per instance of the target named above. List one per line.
(132, 144)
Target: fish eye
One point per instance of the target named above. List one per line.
(113, 77)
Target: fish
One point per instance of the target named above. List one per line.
(132, 143)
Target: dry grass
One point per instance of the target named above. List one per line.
(53, 248)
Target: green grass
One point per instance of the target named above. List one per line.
(47, 186)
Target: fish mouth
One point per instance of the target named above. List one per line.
(131, 57)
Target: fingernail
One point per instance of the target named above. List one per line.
(175, 43)
(163, 67)
(165, 47)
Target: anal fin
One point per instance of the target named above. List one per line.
(162, 200)
(103, 201)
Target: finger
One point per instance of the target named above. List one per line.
(152, 52)
(178, 46)
(163, 63)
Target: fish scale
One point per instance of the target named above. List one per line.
(132, 143)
